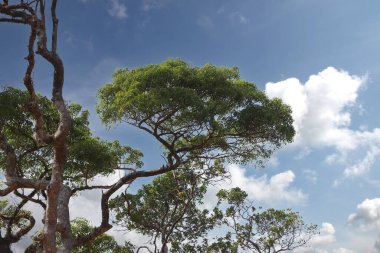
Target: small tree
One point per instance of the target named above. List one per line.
(167, 209)
(269, 231)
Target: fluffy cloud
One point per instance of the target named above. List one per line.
(322, 116)
(319, 106)
(325, 242)
(320, 243)
(270, 190)
(327, 235)
(117, 9)
(367, 214)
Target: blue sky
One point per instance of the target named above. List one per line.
(321, 57)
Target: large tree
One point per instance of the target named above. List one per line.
(201, 116)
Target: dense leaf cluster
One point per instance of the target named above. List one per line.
(198, 112)
(88, 156)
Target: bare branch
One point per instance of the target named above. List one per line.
(55, 27)
(30, 198)
(13, 20)
(87, 187)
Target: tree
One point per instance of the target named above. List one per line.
(167, 209)
(197, 113)
(269, 231)
(201, 116)
(87, 156)
(33, 14)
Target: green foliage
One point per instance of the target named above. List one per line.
(88, 156)
(14, 222)
(103, 243)
(167, 209)
(224, 244)
(198, 111)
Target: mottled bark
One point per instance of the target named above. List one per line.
(63, 225)
(32, 13)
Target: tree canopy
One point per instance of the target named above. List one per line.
(197, 112)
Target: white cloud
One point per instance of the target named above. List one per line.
(117, 9)
(238, 17)
(273, 161)
(327, 234)
(367, 214)
(320, 106)
(270, 190)
(322, 109)
(365, 164)
(343, 250)
(303, 153)
(321, 242)
(310, 175)
(377, 244)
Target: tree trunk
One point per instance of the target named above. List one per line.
(5, 246)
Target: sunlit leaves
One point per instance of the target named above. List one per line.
(198, 111)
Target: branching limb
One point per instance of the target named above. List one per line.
(127, 179)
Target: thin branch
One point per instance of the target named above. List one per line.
(55, 27)
(143, 247)
(87, 187)
(29, 198)
(13, 20)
